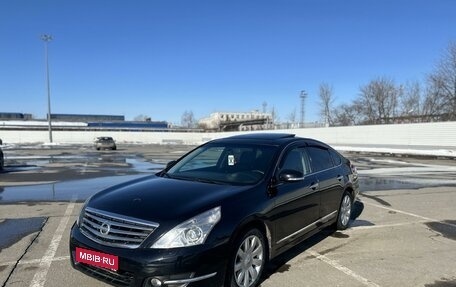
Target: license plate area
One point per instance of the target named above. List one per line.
(97, 259)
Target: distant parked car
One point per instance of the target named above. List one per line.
(105, 143)
(215, 216)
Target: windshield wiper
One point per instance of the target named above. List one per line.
(207, 180)
(163, 173)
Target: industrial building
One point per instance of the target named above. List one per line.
(15, 116)
(87, 118)
(237, 121)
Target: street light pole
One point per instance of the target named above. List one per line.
(47, 38)
(303, 97)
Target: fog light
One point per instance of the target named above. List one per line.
(156, 282)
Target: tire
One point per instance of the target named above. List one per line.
(345, 209)
(248, 260)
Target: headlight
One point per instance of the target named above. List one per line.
(191, 232)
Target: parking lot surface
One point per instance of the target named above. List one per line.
(403, 231)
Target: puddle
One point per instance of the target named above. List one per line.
(446, 228)
(377, 199)
(284, 268)
(444, 282)
(332, 249)
(368, 183)
(144, 166)
(378, 184)
(78, 190)
(13, 230)
(338, 234)
(19, 168)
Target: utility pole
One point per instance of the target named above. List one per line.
(47, 38)
(303, 97)
(265, 105)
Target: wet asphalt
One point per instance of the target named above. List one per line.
(35, 175)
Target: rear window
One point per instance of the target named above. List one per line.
(335, 157)
(320, 158)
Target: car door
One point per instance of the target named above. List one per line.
(297, 201)
(329, 180)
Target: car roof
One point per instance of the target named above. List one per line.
(276, 139)
(259, 138)
(263, 136)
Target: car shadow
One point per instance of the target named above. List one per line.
(280, 263)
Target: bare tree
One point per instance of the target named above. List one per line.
(347, 115)
(326, 101)
(434, 104)
(274, 116)
(188, 119)
(442, 84)
(379, 101)
(411, 101)
(292, 118)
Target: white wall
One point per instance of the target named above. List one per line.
(426, 134)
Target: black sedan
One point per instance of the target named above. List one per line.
(215, 216)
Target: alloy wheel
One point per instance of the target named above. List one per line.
(345, 210)
(249, 261)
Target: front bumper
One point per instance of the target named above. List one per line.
(178, 267)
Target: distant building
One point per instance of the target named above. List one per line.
(145, 125)
(234, 121)
(86, 118)
(15, 116)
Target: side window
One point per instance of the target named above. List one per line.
(319, 158)
(335, 157)
(298, 160)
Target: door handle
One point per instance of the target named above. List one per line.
(314, 186)
(340, 177)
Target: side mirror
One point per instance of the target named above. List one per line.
(290, 175)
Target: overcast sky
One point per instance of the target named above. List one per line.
(162, 57)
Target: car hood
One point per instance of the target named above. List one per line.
(160, 199)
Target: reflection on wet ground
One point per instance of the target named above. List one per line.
(74, 190)
(393, 182)
(376, 184)
(65, 173)
(378, 174)
(444, 228)
(64, 176)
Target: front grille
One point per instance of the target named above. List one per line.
(113, 229)
(111, 277)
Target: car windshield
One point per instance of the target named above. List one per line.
(225, 164)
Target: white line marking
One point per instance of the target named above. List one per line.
(411, 214)
(354, 228)
(342, 268)
(45, 263)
